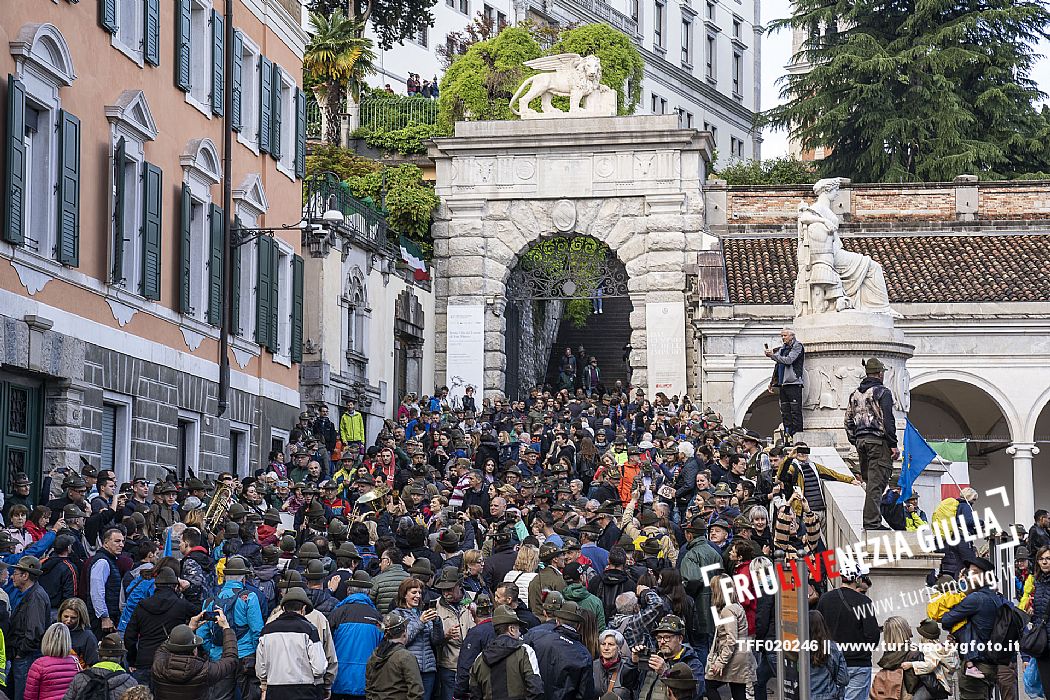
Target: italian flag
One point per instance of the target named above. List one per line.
(413, 257)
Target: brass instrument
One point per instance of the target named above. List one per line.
(218, 506)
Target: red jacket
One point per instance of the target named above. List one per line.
(751, 606)
(50, 676)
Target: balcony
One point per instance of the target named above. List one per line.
(601, 11)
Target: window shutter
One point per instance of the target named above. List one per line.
(218, 62)
(107, 15)
(151, 33)
(296, 350)
(300, 133)
(235, 293)
(262, 291)
(185, 238)
(236, 119)
(265, 102)
(183, 12)
(15, 162)
(68, 248)
(275, 299)
(153, 206)
(216, 219)
(120, 163)
(275, 113)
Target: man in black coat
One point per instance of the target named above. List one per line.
(613, 581)
(565, 664)
(476, 640)
(501, 560)
(32, 615)
(153, 618)
(1039, 533)
(324, 429)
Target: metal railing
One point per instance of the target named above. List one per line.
(394, 112)
(605, 12)
(325, 191)
(313, 117)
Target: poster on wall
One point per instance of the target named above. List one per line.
(465, 351)
(665, 347)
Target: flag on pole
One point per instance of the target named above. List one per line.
(917, 456)
(412, 254)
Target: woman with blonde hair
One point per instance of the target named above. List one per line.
(73, 613)
(896, 640)
(473, 563)
(728, 663)
(50, 675)
(525, 565)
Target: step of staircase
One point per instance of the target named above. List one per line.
(603, 336)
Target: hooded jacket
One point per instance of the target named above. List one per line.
(588, 601)
(290, 660)
(59, 579)
(566, 664)
(355, 629)
(870, 412)
(118, 680)
(506, 669)
(153, 619)
(29, 621)
(392, 674)
(187, 676)
(476, 640)
(608, 586)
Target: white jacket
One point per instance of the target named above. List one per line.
(290, 653)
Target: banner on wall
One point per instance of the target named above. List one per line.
(465, 351)
(665, 347)
(957, 466)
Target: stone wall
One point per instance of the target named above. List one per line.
(966, 200)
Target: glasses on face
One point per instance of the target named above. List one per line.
(1042, 559)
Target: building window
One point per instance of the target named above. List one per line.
(201, 172)
(422, 38)
(685, 119)
(738, 74)
(249, 133)
(636, 10)
(659, 25)
(283, 308)
(714, 132)
(687, 42)
(451, 3)
(709, 58)
(711, 11)
(287, 134)
(278, 440)
(489, 13)
(501, 21)
(736, 147)
(464, 6)
(249, 204)
(188, 442)
(40, 155)
(116, 434)
(659, 104)
(736, 28)
(200, 56)
(240, 449)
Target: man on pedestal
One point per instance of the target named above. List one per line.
(871, 428)
(789, 359)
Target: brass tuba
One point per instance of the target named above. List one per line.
(218, 506)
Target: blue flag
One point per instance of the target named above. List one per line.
(917, 456)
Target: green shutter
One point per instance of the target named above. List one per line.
(120, 164)
(68, 248)
(107, 15)
(263, 246)
(183, 14)
(275, 299)
(216, 220)
(152, 210)
(185, 239)
(235, 280)
(151, 33)
(265, 102)
(218, 62)
(300, 133)
(15, 162)
(275, 113)
(236, 121)
(296, 351)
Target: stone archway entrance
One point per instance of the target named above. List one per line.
(631, 183)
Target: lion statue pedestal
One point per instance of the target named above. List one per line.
(569, 75)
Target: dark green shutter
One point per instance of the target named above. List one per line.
(185, 240)
(216, 220)
(300, 133)
(152, 210)
(263, 283)
(151, 33)
(120, 164)
(183, 14)
(68, 248)
(275, 299)
(107, 15)
(265, 102)
(15, 162)
(218, 62)
(235, 292)
(275, 113)
(236, 120)
(296, 351)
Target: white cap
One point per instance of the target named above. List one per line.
(191, 503)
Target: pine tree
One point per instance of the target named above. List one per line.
(918, 90)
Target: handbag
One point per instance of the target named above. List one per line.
(1033, 639)
(933, 686)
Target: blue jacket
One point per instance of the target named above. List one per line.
(978, 610)
(36, 549)
(355, 632)
(828, 682)
(247, 621)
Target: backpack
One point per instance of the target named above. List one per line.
(97, 687)
(227, 602)
(267, 592)
(945, 513)
(140, 588)
(1006, 634)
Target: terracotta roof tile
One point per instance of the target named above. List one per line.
(919, 269)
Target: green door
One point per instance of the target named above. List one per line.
(21, 429)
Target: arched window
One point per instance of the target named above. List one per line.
(355, 300)
(201, 172)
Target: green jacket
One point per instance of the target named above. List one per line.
(352, 428)
(384, 588)
(549, 578)
(697, 555)
(392, 674)
(506, 669)
(586, 600)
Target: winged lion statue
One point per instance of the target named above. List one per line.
(567, 75)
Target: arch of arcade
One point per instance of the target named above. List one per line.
(632, 183)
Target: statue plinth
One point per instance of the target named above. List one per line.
(836, 346)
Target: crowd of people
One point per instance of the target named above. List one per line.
(554, 547)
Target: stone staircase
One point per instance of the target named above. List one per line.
(603, 336)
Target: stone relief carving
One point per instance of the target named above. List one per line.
(899, 383)
(563, 215)
(818, 390)
(849, 378)
(568, 75)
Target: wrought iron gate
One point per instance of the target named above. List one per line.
(567, 267)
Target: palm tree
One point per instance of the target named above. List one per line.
(337, 61)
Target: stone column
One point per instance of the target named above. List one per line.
(62, 425)
(1024, 486)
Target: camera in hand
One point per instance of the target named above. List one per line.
(211, 615)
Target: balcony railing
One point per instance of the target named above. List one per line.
(324, 192)
(604, 12)
(393, 112)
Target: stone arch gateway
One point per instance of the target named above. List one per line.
(632, 183)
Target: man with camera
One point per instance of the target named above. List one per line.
(647, 666)
(788, 370)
